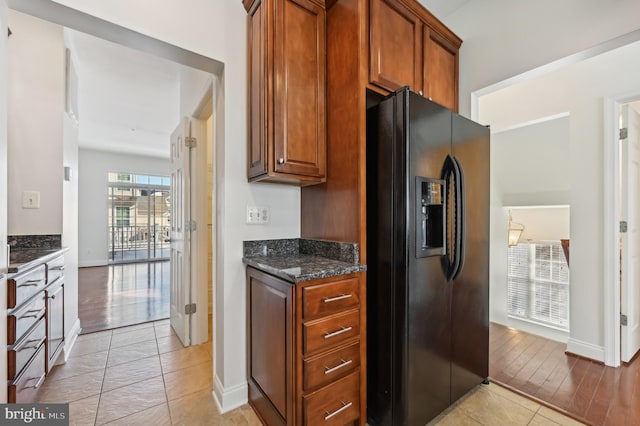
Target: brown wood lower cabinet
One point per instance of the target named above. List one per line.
(35, 327)
(25, 388)
(306, 350)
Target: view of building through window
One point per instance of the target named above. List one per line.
(139, 217)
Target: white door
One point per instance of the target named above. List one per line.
(180, 257)
(630, 240)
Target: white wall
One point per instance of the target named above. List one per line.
(36, 105)
(70, 233)
(580, 89)
(93, 167)
(529, 167)
(70, 212)
(530, 163)
(504, 38)
(3, 196)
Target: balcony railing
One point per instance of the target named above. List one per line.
(138, 242)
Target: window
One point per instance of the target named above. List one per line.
(122, 216)
(538, 284)
(138, 214)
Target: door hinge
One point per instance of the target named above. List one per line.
(623, 226)
(190, 225)
(190, 309)
(190, 142)
(623, 319)
(623, 133)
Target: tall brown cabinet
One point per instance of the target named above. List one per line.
(373, 46)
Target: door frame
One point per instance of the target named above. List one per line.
(200, 281)
(611, 216)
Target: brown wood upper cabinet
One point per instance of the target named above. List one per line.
(287, 91)
(410, 47)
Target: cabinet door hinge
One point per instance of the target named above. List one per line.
(623, 226)
(190, 142)
(190, 309)
(623, 133)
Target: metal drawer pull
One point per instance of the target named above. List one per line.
(38, 383)
(339, 410)
(33, 313)
(58, 268)
(334, 299)
(30, 283)
(335, 333)
(40, 341)
(344, 363)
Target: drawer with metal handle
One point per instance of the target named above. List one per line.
(25, 388)
(23, 286)
(328, 298)
(19, 354)
(330, 331)
(336, 404)
(55, 269)
(323, 369)
(21, 319)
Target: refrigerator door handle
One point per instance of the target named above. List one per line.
(452, 175)
(460, 213)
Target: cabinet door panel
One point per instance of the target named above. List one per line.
(300, 52)
(440, 70)
(257, 154)
(270, 336)
(55, 322)
(394, 54)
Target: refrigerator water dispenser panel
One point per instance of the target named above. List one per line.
(430, 217)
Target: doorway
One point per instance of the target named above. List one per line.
(621, 165)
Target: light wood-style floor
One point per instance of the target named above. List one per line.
(121, 295)
(585, 389)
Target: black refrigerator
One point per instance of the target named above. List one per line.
(427, 258)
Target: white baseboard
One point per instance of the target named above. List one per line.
(70, 340)
(90, 263)
(231, 397)
(584, 349)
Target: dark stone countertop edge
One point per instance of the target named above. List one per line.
(18, 268)
(334, 271)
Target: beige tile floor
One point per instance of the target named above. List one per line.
(141, 375)
(493, 405)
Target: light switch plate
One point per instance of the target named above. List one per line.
(30, 199)
(258, 215)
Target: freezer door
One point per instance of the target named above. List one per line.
(427, 375)
(470, 295)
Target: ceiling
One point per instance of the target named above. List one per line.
(128, 101)
(443, 8)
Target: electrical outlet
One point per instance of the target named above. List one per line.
(30, 199)
(258, 215)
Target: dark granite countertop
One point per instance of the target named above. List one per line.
(300, 259)
(21, 260)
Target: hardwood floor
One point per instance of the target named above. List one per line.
(584, 389)
(121, 295)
